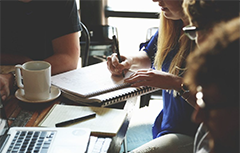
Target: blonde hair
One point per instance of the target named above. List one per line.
(170, 38)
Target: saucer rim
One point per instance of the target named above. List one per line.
(53, 96)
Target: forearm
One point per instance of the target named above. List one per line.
(66, 53)
(62, 63)
(140, 60)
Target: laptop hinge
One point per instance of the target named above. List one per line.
(4, 140)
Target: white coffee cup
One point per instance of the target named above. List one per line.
(34, 78)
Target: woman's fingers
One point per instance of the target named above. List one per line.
(113, 65)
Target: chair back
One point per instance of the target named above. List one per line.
(85, 52)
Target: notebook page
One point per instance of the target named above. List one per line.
(107, 121)
(90, 80)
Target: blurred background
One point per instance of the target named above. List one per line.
(133, 21)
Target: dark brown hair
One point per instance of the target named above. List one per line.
(217, 61)
(206, 13)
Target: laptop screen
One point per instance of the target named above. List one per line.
(3, 120)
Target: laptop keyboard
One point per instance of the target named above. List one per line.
(31, 142)
(99, 144)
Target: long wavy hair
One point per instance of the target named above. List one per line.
(170, 37)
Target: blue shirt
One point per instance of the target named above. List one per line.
(150, 47)
(175, 117)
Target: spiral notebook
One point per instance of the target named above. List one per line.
(94, 85)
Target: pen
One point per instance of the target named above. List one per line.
(64, 123)
(117, 50)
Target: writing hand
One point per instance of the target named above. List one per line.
(115, 67)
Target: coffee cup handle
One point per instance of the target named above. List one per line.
(19, 76)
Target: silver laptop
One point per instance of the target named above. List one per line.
(41, 139)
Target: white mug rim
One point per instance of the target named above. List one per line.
(48, 65)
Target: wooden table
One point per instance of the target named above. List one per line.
(27, 114)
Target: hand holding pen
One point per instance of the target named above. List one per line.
(115, 42)
(115, 67)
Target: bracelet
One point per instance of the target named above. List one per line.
(184, 89)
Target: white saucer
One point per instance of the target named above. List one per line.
(55, 93)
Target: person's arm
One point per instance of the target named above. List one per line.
(160, 79)
(6, 85)
(65, 58)
(66, 53)
(141, 61)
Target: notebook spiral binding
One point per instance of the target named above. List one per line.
(123, 97)
(111, 100)
(120, 86)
